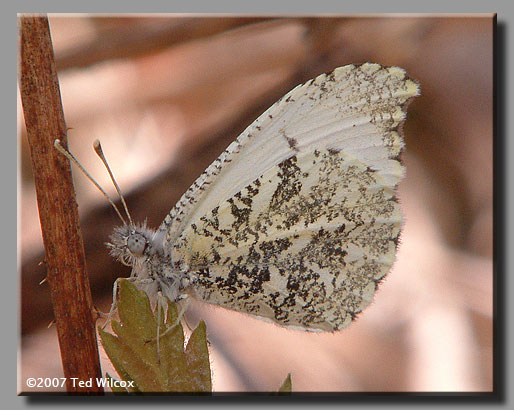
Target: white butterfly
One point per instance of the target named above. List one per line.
(297, 221)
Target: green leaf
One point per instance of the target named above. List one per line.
(133, 348)
(115, 350)
(115, 389)
(196, 357)
(287, 386)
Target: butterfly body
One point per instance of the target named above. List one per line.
(298, 220)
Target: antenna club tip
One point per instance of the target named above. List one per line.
(98, 147)
(58, 146)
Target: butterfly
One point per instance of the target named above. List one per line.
(297, 221)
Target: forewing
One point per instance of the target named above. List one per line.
(358, 109)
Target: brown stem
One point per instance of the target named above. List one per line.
(58, 213)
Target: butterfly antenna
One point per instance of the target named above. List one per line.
(98, 149)
(70, 156)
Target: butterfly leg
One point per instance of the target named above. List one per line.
(159, 308)
(113, 305)
(161, 303)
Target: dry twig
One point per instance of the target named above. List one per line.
(64, 248)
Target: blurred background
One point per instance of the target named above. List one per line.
(166, 94)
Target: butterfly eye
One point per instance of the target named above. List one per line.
(136, 244)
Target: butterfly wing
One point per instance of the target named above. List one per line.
(297, 220)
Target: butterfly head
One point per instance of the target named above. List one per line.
(130, 243)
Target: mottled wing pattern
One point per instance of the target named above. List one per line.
(303, 245)
(297, 220)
